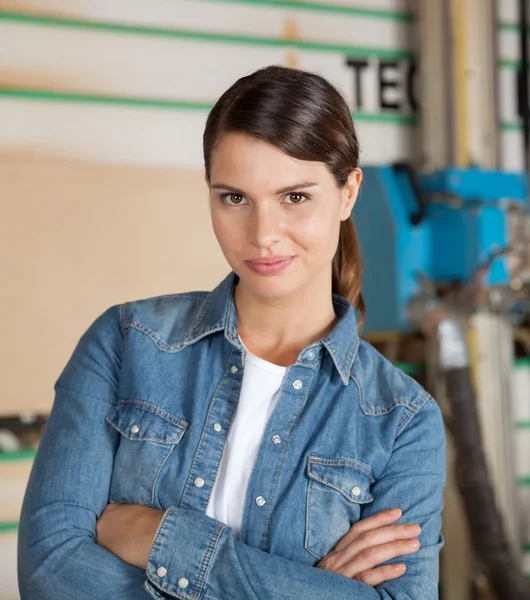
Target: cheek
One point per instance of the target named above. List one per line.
(219, 224)
(317, 231)
(227, 231)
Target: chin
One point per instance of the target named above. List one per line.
(274, 287)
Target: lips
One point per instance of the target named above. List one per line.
(271, 265)
(270, 260)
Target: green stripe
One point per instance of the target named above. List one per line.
(523, 481)
(509, 64)
(45, 95)
(511, 27)
(508, 27)
(511, 126)
(8, 527)
(410, 368)
(20, 455)
(102, 99)
(341, 9)
(204, 36)
(521, 362)
(522, 424)
(526, 548)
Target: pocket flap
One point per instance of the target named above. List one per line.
(143, 421)
(349, 477)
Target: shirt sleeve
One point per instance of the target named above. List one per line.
(68, 488)
(194, 557)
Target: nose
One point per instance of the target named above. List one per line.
(264, 227)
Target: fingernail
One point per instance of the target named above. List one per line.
(399, 568)
(414, 543)
(395, 511)
(414, 529)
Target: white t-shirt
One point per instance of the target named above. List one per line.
(259, 393)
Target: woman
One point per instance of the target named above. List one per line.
(245, 443)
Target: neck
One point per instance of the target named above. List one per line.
(278, 329)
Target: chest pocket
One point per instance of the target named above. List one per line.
(336, 490)
(148, 436)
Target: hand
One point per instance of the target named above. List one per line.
(369, 543)
(128, 531)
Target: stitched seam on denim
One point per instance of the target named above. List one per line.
(412, 413)
(308, 521)
(156, 410)
(205, 332)
(199, 317)
(202, 571)
(127, 329)
(349, 462)
(342, 492)
(384, 410)
(123, 331)
(161, 345)
(177, 347)
(136, 438)
(404, 421)
(201, 441)
(227, 429)
(206, 559)
(151, 590)
(302, 402)
(155, 479)
(421, 400)
(417, 403)
(333, 351)
(360, 389)
(350, 356)
(156, 546)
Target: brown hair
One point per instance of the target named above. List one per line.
(306, 117)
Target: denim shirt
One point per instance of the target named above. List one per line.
(141, 414)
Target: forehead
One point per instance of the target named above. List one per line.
(243, 157)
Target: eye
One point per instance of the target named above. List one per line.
(296, 198)
(233, 199)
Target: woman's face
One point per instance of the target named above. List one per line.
(276, 218)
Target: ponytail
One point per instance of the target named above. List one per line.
(347, 268)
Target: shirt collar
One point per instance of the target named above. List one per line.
(218, 313)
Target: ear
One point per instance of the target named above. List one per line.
(350, 191)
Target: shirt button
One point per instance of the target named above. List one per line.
(183, 583)
(218, 427)
(234, 369)
(199, 482)
(260, 500)
(161, 571)
(135, 429)
(297, 384)
(310, 354)
(276, 439)
(356, 491)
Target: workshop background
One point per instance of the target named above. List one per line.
(103, 200)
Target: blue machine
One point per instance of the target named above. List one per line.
(444, 225)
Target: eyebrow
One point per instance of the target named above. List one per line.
(289, 188)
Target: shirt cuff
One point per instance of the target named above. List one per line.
(181, 553)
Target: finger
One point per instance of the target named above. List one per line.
(378, 520)
(372, 557)
(383, 535)
(376, 576)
